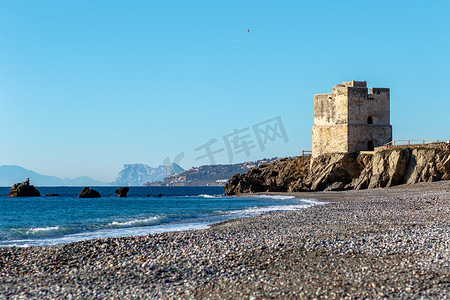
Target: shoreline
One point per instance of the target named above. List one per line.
(247, 206)
(391, 242)
(332, 197)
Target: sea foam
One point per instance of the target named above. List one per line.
(252, 211)
(208, 196)
(137, 222)
(44, 231)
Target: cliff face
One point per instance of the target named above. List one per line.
(276, 176)
(388, 166)
(397, 165)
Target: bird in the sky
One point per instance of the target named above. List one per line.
(248, 30)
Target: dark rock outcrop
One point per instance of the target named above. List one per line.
(277, 176)
(23, 189)
(328, 169)
(89, 193)
(388, 166)
(122, 192)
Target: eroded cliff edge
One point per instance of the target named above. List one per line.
(388, 166)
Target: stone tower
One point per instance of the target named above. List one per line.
(351, 119)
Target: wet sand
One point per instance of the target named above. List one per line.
(392, 242)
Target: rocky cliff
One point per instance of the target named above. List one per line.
(387, 166)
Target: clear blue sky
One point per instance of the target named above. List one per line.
(86, 86)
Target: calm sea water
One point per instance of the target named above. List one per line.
(39, 221)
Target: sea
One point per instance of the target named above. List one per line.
(63, 219)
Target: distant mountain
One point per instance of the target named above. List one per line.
(83, 181)
(209, 175)
(138, 174)
(10, 174)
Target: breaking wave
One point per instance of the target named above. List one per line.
(209, 196)
(45, 231)
(137, 223)
(252, 211)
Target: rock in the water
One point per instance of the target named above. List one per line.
(23, 189)
(159, 195)
(89, 193)
(51, 195)
(122, 192)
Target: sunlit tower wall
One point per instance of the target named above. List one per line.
(351, 118)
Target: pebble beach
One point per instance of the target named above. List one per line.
(367, 244)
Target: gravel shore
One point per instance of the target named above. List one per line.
(392, 242)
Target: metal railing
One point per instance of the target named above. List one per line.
(307, 152)
(415, 142)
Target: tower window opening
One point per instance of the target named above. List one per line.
(370, 120)
(370, 146)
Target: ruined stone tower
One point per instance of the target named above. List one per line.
(351, 119)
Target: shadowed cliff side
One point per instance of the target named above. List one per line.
(274, 177)
(388, 166)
